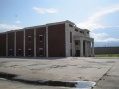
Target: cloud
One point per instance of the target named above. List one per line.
(92, 24)
(6, 27)
(45, 10)
(17, 21)
(101, 37)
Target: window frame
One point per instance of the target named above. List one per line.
(19, 52)
(40, 36)
(41, 53)
(11, 52)
(29, 52)
(76, 30)
(70, 25)
(76, 43)
(29, 39)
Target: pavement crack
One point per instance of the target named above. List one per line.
(104, 74)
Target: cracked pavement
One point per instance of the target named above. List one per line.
(105, 72)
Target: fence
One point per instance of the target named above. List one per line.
(106, 50)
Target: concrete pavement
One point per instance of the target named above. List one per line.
(111, 79)
(101, 71)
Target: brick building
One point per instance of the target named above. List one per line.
(60, 39)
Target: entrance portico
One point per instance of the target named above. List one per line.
(84, 46)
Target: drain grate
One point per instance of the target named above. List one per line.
(71, 84)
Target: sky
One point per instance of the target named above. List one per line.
(101, 17)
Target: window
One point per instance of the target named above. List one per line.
(80, 31)
(76, 43)
(76, 30)
(87, 32)
(11, 53)
(70, 37)
(19, 51)
(71, 49)
(70, 25)
(29, 52)
(70, 46)
(41, 51)
(40, 38)
(29, 38)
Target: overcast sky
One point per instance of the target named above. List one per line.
(101, 17)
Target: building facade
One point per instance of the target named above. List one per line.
(60, 39)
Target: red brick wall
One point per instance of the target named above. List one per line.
(19, 42)
(40, 31)
(11, 44)
(29, 45)
(2, 44)
(56, 40)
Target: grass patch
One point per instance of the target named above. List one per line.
(107, 55)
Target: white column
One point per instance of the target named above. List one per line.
(81, 48)
(6, 44)
(67, 40)
(46, 40)
(73, 47)
(93, 49)
(15, 43)
(24, 43)
(34, 42)
(86, 49)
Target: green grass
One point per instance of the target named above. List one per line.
(107, 55)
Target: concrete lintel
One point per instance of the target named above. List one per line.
(83, 37)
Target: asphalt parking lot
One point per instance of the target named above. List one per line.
(103, 71)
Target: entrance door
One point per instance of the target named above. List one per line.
(77, 53)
